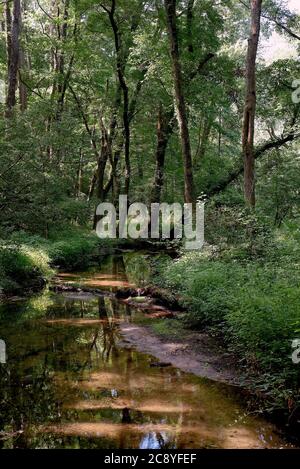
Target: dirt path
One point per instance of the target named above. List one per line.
(195, 353)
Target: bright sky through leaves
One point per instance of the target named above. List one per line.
(278, 46)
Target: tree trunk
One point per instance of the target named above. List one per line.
(170, 6)
(122, 81)
(165, 124)
(13, 53)
(22, 66)
(63, 76)
(22, 87)
(78, 185)
(102, 160)
(8, 21)
(250, 105)
(189, 25)
(205, 130)
(92, 186)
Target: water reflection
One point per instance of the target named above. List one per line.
(111, 277)
(155, 441)
(68, 384)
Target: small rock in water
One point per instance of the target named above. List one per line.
(139, 299)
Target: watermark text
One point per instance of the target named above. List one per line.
(2, 352)
(161, 221)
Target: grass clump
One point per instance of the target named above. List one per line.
(22, 267)
(73, 251)
(68, 249)
(26, 262)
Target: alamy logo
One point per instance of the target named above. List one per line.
(137, 221)
(296, 352)
(296, 93)
(2, 352)
(2, 92)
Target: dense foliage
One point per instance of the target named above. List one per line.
(89, 114)
(250, 301)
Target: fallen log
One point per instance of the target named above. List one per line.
(162, 297)
(152, 299)
(60, 288)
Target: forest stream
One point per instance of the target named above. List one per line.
(70, 382)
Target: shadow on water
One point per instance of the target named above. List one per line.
(69, 382)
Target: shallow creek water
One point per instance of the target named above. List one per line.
(70, 383)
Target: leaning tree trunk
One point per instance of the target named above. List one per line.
(13, 53)
(250, 105)
(170, 6)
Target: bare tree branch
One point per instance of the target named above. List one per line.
(277, 22)
(259, 152)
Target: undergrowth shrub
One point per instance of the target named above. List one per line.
(22, 267)
(253, 304)
(27, 261)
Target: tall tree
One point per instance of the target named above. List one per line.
(250, 105)
(165, 126)
(13, 52)
(22, 65)
(121, 63)
(170, 7)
